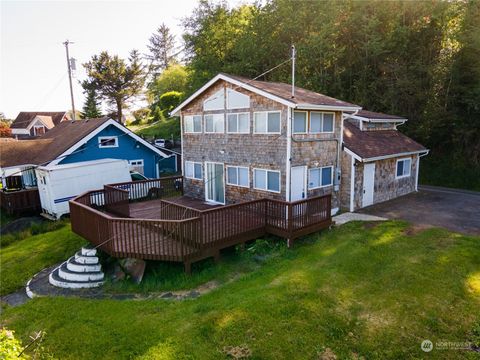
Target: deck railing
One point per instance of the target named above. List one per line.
(21, 201)
(187, 234)
(116, 201)
(152, 189)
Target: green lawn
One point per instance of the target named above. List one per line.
(22, 259)
(356, 291)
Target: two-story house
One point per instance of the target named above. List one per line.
(30, 124)
(247, 139)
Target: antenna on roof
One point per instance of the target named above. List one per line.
(293, 70)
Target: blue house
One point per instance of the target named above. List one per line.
(105, 138)
(84, 140)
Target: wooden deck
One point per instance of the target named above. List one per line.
(179, 228)
(154, 209)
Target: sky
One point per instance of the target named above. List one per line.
(33, 66)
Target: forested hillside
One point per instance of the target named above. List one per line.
(420, 60)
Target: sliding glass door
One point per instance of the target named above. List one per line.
(214, 183)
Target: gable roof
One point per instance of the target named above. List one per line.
(62, 140)
(370, 145)
(280, 92)
(366, 115)
(23, 152)
(46, 120)
(24, 118)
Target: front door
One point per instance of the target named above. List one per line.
(368, 184)
(214, 183)
(298, 183)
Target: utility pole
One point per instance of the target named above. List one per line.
(294, 53)
(66, 43)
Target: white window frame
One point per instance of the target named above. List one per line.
(35, 127)
(233, 92)
(409, 169)
(193, 163)
(239, 167)
(307, 122)
(321, 131)
(237, 116)
(138, 162)
(101, 139)
(321, 169)
(205, 123)
(267, 132)
(192, 118)
(266, 180)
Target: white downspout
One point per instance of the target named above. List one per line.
(181, 141)
(289, 154)
(352, 184)
(418, 168)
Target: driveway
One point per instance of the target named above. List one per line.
(455, 210)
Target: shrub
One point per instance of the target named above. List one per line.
(170, 100)
(10, 348)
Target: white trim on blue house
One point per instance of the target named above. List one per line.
(95, 132)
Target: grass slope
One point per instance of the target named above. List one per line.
(22, 259)
(355, 291)
(161, 130)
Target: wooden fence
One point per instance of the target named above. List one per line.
(20, 202)
(187, 234)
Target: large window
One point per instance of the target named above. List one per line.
(299, 122)
(321, 122)
(107, 141)
(238, 175)
(193, 170)
(320, 177)
(403, 167)
(193, 124)
(238, 123)
(266, 122)
(214, 123)
(268, 180)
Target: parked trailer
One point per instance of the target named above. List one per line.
(57, 184)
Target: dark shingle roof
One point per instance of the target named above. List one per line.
(378, 116)
(284, 91)
(24, 118)
(371, 144)
(49, 146)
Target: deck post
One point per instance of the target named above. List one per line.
(216, 256)
(188, 267)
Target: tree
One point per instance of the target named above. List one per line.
(91, 108)
(162, 48)
(174, 78)
(5, 130)
(115, 80)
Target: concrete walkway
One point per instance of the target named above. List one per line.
(347, 217)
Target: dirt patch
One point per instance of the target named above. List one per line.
(371, 224)
(237, 352)
(416, 229)
(327, 354)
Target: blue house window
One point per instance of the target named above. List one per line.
(320, 177)
(107, 141)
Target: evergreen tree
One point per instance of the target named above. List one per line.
(91, 108)
(115, 80)
(162, 47)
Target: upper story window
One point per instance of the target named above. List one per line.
(193, 123)
(238, 175)
(300, 122)
(268, 180)
(320, 177)
(266, 122)
(238, 123)
(403, 168)
(321, 122)
(214, 123)
(107, 141)
(193, 170)
(237, 100)
(39, 130)
(215, 102)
